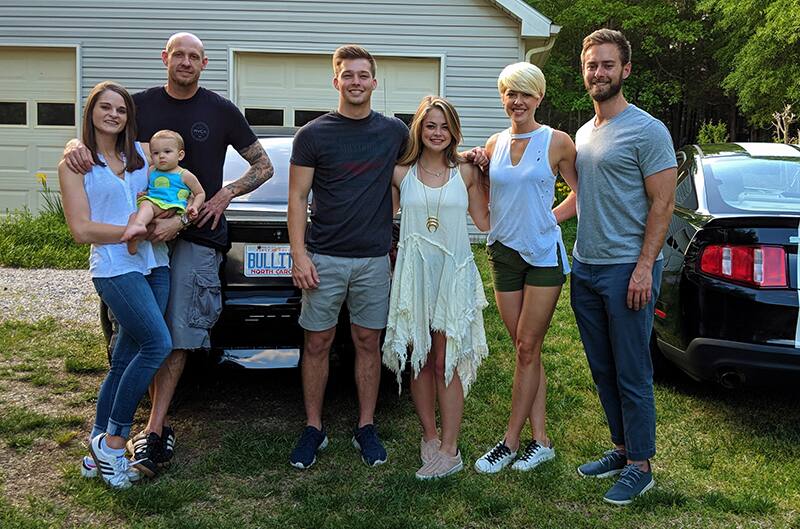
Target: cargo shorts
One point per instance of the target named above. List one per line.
(195, 296)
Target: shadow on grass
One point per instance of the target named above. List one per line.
(754, 411)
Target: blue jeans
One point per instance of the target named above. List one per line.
(617, 344)
(138, 303)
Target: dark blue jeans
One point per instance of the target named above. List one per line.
(138, 303)
(617, 344)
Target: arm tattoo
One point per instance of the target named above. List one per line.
(259, 172)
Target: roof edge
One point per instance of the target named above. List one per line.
(533, 23)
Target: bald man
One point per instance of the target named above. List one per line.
(208, 123)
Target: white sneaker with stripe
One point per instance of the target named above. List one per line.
(112, 468)
(89, 470)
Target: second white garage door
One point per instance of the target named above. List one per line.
(291, 89)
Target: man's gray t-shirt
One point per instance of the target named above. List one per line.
(613, 161)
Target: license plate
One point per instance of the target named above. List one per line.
(267, 260)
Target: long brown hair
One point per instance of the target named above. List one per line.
(414, 146)
(125, 139)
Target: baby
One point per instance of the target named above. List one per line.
(170, 187)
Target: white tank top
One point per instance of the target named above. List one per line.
(449, 203)
(521, 200)
(111, 201)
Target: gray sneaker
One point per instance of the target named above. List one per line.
(632, 482)
(610, 464)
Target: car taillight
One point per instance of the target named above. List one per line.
(761, 266)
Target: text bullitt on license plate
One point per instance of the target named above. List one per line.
(267, 260)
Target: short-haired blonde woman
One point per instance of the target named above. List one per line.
(437, 295)
(526, 253)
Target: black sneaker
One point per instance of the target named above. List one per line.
(305, 451)
(167, 446)
(146, 452)
(365, 439)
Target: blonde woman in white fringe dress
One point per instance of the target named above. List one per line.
(437, 298)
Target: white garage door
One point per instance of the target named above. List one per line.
(291, 89)
(37, 117)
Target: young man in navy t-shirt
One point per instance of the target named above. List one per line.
(346, 158)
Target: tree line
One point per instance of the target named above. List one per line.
(707, 68)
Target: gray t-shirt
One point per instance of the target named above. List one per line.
(613, 161)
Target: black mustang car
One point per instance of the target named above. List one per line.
(260, 305)
(728, 307)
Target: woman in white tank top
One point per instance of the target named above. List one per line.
(437, 299)
(526, 253)
(97, 206)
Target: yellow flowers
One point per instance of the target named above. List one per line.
(51, 198)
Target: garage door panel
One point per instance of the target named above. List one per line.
(34, 76)
(11, 199)
(304, 82)
(48, 157)
(15, 158)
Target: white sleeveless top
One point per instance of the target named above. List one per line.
(521, 199)
(436, 285)
(111, 201)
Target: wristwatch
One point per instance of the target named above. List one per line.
(185, 222)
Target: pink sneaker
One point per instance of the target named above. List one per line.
(442, 465)
(428, 449)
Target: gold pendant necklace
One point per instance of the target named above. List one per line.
(432, 222)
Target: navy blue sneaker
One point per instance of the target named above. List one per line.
(365, 439)
(610, 464)
(305, 451)
(632, 482)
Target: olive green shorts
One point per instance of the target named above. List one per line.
(511, 272)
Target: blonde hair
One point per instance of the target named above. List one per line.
(608, 36)
(522, 77)
(169, 135)
(414, 145)
(352, 51)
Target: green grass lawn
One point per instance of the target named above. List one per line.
(725, 459)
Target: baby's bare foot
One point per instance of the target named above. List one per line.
(133, 230)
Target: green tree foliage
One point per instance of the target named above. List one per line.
(761, 53)
(711, 132)
(674, 72)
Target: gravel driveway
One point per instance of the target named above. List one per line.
(32, 295)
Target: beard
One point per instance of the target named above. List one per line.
(605, 92)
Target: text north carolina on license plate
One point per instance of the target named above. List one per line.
(267, 260)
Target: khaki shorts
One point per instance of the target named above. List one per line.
(362, 281)
(195, 297)
(511, 272)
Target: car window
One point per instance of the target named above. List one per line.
(276, 189)
(685, 194)
(737, 184)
